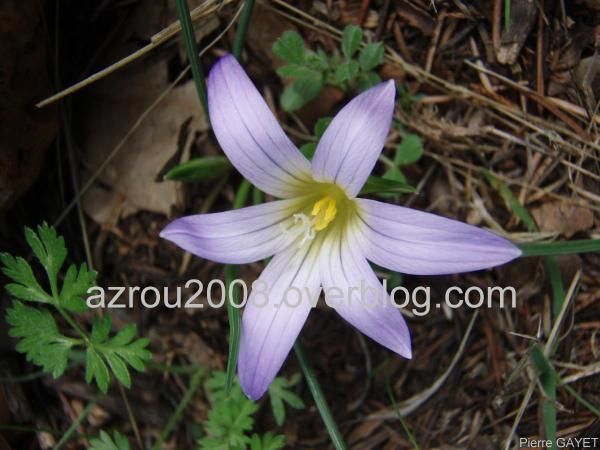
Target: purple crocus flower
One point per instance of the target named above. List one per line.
(321, 235)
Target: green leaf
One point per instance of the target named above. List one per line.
(346, 71)
(75, 287)
(105, 442)
(269, 441)
(125, 335)
(382, 185)
(320, 401)
(96, 369)
(133, 353)
(558, 290)
(301, 92)
(409, 150)
(511, 201)
(367, 80)
(49, 248)
(235, 323)
(100, 329)
(51, 251)
(316, 60)
(548, 380)
(351, 40)
(280, 393)
(119, 352)
(309, 149)
(297, 71)
(290, 47)
(119, 368)
(40, 339)
(560, 247)
(321, 125)
(25, 286)
(200, 169)
(230, 417)
(191, 48)
(217, 387)
(395, 174)
(371, 56)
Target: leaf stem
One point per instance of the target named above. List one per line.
(72, 323)
(192, 51)
(195, 382)
(233, 313)
(235, 325)
(240, 34)
(320, 401)
(560, 247)
(73, 427)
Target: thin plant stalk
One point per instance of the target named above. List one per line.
(315, 389)
(240, 34)
(233, 313)
(192, 51)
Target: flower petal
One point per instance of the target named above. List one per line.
(353, 290)
(234, 237)
(419, 243)
(274, 315)
(249, 133)
(351, 144)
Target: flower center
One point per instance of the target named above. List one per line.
(321, 215)
(324, 208)
(323, 212)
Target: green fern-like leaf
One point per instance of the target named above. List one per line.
(267, 441)
(24, 286)
(41, 341)
(117, 353)
(106, 442)
(230, 418)
(75, 287)
(280, 394)
(49, 248)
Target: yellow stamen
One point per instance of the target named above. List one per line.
(324, 211)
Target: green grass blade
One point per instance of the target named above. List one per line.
(235, 325)
(240, 34)
(507, 8)
(594, 409)
(192, 51)
(233, 314)
(544, 366)
(199, 169)
(511, 201)
(407, 430)
(195, 383)
(560, 247)
(258, 196)
(548, 380)
(76, 423)
(556, 284)
(317, 393)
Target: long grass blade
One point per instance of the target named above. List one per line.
(560, 247)
(235, 325)
(73, 427)
(548, 381)
(192, 51)
(548, 402)
(240, 34)
(195, 383)
(233, 313)
(320, 401)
